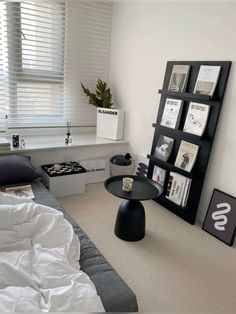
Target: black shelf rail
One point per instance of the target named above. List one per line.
(184, 96)
(204, 142)
(190, 97)
(179, 134)
(170, 167)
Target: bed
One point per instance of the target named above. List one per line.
(115, 295)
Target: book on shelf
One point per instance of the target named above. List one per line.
(187, 155)
(196, 119)
(207, 79)
(172, 112)
(178, 188)
(186, 192)
(163, 148)
(20, 191)
(4, 143)
(159, 175)
(179, 78)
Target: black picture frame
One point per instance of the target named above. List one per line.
(220, 219)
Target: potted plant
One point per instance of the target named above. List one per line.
(110, 121)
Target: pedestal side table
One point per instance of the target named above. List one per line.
(130, 220)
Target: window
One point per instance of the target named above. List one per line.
(47, 48)
(34, 62)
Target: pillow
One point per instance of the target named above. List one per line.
(17, 168)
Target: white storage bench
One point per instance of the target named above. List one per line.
(64, 179)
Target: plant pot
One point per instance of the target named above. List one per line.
(110, 123)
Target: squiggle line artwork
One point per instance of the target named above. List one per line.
(219, 215)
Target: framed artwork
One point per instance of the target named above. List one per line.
(220, 220)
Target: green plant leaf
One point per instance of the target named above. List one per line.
(102, 98)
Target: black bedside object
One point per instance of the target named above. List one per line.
(130, 220)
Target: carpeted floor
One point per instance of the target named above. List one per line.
(175, 268)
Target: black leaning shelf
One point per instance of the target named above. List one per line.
(197, 175)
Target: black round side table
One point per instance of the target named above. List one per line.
(130, 220)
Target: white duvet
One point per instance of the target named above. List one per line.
(39, 263)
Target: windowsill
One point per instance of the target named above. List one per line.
(52, 142)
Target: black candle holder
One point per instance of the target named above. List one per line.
(68, 139)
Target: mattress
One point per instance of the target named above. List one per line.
(115, 294)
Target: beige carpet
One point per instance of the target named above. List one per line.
(175, 268)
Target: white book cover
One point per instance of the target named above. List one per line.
(207, 80)
(171, 114)
(176, 188)
(20, 191)
(196, 119)
(159, 175)
(186, 156)
(164, 147)
(179, 77)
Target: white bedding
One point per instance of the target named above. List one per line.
(39, 263)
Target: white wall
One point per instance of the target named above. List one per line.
(145, 35)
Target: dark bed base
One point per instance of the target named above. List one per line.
(116, 296)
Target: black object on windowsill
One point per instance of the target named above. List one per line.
(121, 160)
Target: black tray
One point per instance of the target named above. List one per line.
(143, 188)
(67, 168)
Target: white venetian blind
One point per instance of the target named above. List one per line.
(3, 96)
(34, 62)
(88, 27)
(46, 50)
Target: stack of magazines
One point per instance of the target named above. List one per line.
(178, 188)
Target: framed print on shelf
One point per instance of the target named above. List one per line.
(220, 220)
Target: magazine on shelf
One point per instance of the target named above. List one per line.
(164, 147)
(20, 191)
(186, 156)
(178, 187)
(159, 175)
(179, 78)
(196, 119)
(172, 112)
(207, 80)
